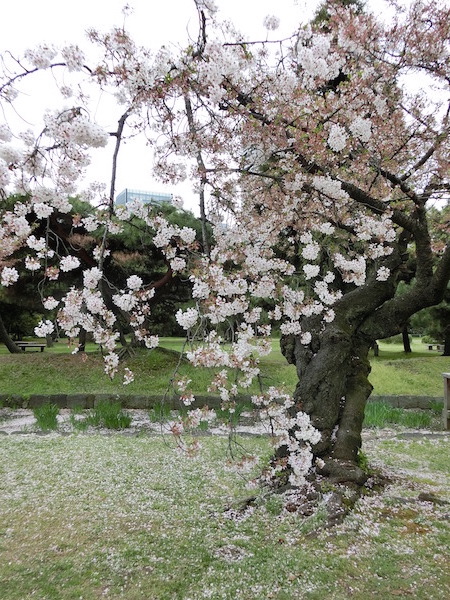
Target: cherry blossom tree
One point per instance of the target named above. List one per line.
(315, 160)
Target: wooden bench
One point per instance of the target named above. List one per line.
(24, 345)
(446, 409)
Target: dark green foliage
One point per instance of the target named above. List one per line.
(322, 15)
(434, 323)
(131, 252)
(105, 414)
(18, 319)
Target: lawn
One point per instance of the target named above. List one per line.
(92, 516)
(57, 371)
(87, 516)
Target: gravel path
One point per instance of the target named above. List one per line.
(22, 422)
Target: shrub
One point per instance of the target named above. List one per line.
(77, 419)
(428, 339)
(396, 339)
(436, 406)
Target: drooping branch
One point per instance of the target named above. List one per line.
(26, 72)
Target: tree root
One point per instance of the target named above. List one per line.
(322, 497)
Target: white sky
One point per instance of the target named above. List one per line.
(25, 23)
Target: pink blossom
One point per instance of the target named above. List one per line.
(44, 328)
(9, 276)
(383, 274)
(32, 264)
(69, 263)
(271, 22)
(337, 138)
(42, 210)
(50, 303)
(134, 282)
(188, 318)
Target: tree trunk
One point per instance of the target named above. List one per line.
(333, 389)
(82, 336)
(405, 338)
(446, 341)
(6, 339)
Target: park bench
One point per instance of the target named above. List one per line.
(24, 345)
(439, 347)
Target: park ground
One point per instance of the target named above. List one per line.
(120, 515)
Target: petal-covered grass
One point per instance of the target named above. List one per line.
(92, 516)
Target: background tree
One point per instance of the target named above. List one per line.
(129, 252)
(434, 323)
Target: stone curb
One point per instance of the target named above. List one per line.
(148, 402)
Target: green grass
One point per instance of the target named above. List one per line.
(160, 413)
(395, 373)
(380, 414)
(61, 372)
(58, 371)
(105, 414)
(46, 416)
(120, 517)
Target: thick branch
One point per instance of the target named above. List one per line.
(390, 317)
(397, 181)
(118, 135)
(377, 206)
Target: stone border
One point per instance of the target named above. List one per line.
(148, 402)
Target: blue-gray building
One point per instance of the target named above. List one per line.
(128, 195)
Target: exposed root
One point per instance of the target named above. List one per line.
(322, 497)
(343, 472)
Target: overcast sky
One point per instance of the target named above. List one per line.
(153, 22)
(26, 23)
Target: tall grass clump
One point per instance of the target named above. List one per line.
(78, 420)
(380, 414)
(46, 416)
(160, 413)
(110, 415)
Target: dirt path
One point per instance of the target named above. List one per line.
(22, 422)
